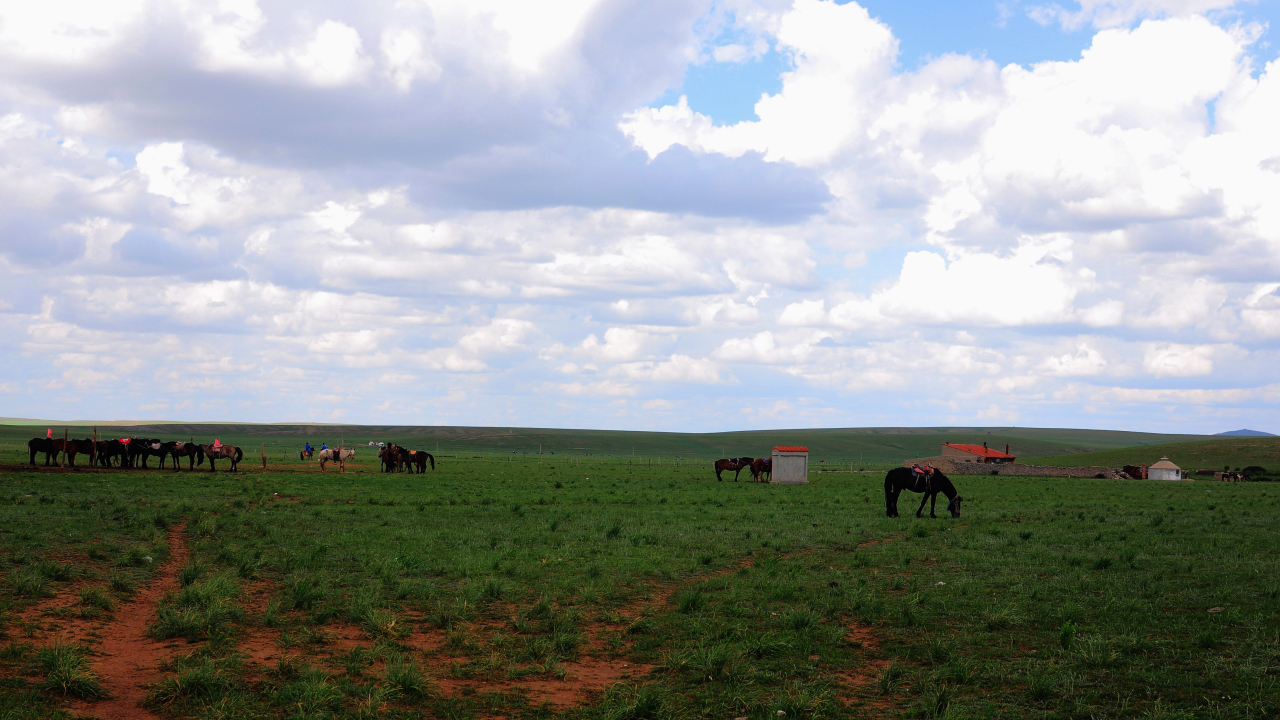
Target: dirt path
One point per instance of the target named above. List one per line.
(126, 659)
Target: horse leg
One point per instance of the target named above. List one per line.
(891, 502)
(933, 501)
(920, 510)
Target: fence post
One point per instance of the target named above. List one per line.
(263, 449)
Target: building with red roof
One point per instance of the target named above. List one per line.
(964, 453)
(790, 465)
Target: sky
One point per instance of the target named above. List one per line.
(684, 215)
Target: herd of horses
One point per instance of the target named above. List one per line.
(761, 468)
(395, 458)
(131, 452)
(134, 452)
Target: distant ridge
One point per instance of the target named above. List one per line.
(1244, 432)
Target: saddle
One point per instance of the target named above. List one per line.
(921, 477)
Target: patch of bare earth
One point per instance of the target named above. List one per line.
(126, 660)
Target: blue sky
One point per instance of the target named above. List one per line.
(700, 215)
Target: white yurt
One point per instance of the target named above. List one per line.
(1164, 470)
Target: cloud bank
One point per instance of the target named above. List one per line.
(472, 213)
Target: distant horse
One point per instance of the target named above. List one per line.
(41, 445)
(71, 448)
(335, 455)
(760, 468)
(388, 459)
(221, 452)
(178, 450)
(930, 482)
(737, 465)
(420, 458)
(397, 458)
(304, 454)
(144, 448)
(106, 450)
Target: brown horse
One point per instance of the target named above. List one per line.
(107, 450)
(737, 465)
(761, 467)
(335, 455)
(70, 448)
(221, 452)
(396, 458)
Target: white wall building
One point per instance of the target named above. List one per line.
(1164, 470)
(790, 465)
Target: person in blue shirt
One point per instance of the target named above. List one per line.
(308, 448)
(323, 446)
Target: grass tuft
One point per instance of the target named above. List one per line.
(67, 672)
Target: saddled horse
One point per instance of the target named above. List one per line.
(304, 454)
(178, 450)
(420, 458)
(762, 469)
(144, 448)
(737, 465)
(329, 455)
(929, 481)
(220, 452)
(41, 445)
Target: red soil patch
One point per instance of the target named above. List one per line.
(584, 680)
(126, 660)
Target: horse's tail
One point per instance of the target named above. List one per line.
(432, 458)
(239, 454)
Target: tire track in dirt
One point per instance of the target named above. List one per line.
(126, 659)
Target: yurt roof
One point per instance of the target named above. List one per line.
(1164, 464)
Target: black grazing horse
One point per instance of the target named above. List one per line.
(929, 483)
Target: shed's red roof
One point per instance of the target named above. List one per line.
(979, 450)
(791, 448)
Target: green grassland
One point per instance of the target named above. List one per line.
(1049, 598)
(871, 447)
(1233, 453)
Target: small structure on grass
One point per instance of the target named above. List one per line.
(790, 465)
(1164, 470)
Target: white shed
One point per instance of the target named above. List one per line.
(790, 465)
(1164, 470)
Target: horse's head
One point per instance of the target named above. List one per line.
(954, 506)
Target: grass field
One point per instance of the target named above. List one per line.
(544, 586)
(871, 447)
